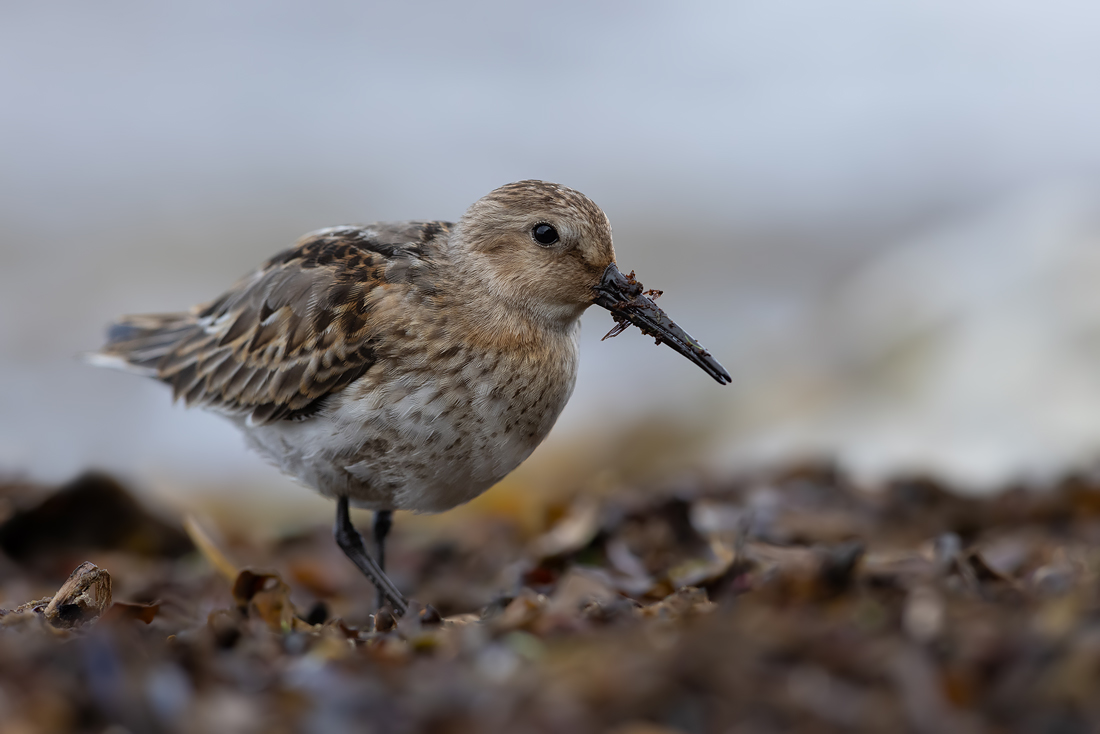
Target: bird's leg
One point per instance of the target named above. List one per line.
(351, 542)
(383, 521)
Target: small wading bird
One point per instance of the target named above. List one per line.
(404, 365)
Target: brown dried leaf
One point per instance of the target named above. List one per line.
(573, 532)
(266, 596)
(521, 612)
(685, 602)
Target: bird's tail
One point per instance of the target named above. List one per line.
(138, 343)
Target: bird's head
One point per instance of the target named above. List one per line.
(547, 249)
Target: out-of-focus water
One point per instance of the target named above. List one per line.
(756, 162)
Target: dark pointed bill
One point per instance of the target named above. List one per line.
(622, 295)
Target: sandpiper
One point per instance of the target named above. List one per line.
(404, 365)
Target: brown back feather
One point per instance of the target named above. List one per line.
(287, 336)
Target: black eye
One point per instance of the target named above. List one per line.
(544, 234)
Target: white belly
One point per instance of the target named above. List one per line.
(420, 443)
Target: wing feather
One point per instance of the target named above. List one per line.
(285, 337)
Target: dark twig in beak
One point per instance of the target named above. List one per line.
(624, 297)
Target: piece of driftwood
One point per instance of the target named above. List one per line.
(81, 599)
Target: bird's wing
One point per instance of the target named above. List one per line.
(285, 337)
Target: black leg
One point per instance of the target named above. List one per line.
(383, 521)
(351, 542)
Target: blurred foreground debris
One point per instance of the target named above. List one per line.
(93, 511)
(81, 600)
(784, 601)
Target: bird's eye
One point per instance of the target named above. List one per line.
(544, 234)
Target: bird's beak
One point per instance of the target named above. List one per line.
(622, 295)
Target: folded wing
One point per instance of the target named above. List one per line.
(282, 339)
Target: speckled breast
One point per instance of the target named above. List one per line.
(428, 434)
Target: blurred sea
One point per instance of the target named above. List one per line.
(883, 218)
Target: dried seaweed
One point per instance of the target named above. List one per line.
(713, 607)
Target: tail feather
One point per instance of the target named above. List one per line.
(138, 343)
